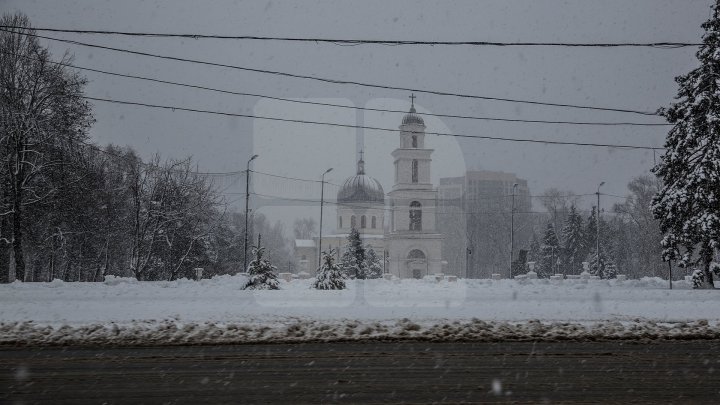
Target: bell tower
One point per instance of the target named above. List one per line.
(414, 244)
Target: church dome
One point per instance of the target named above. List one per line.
(412, 118)
(361, 188)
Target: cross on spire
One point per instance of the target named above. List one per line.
(361, 164)
(412, 101)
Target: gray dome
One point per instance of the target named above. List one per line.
(361, 188)
(412, 118)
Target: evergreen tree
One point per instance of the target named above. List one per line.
(329, 275)
(373, 263)
(261, 273)
(353, 260)
(598, 267)
(688, 204)
(573, 242)
(550, 252)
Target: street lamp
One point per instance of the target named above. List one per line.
(597, 225)
(247, 205)
(512, 228)
(322, 196)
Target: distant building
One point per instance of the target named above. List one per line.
(475, 215)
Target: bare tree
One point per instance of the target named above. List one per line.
(42, 110)
(174, 213)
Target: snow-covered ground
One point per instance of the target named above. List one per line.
(124, 311)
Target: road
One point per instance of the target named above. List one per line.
(372, 372)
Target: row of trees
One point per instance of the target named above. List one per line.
(73, 211)
(629, 237)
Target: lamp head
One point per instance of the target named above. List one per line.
(253, 158)
(328, 170)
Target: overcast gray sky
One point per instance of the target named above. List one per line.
(634, 78)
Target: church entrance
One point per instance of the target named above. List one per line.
(417, 263)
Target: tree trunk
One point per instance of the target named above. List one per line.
(18, 240)
(708, 277)
(4, 251)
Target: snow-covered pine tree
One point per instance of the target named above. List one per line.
(329, 275)
(573, 242)
(550, 252)
(607, 268)
(596, 268)
(353, 260)
(261, 273)
(688, 203)
(373, 263)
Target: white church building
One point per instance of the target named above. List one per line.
(402, 226)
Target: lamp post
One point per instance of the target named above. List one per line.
(247, 205)
(512, 228)
(322, 196)
(597, 225)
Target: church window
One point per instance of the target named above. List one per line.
(363, 222)
(414, 171)
(415, 216)
(339, 222)
(374, 222)
(352, 221)
(414, 141)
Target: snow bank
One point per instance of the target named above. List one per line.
(169, 332)
(125, 311)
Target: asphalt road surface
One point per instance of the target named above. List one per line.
(373, 372)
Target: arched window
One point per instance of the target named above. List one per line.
(340, 222)
(414, 141)
(414, 171)
(352, 221)
(374, 222)
(415, 216)
(363, 222)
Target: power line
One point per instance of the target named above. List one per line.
(340, 105)
(193, 86)
(527, 140)
(387, 209)
(484, 197)
(337, 81)
(141, 163)
(345, 41)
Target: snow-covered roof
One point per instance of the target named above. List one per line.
(304, 243)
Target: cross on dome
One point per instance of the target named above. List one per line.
(361, 164)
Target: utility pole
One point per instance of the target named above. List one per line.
(597, 218)
(322, 196)
(512, 228)
(247, 205)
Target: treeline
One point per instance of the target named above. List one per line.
(76, 212)
(629, 237)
